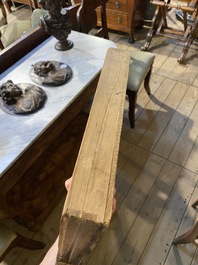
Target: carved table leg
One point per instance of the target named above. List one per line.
(190, 34)
(155, 22)
(184, 51)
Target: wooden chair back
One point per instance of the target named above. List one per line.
(3, 20)
(9, 239)
(21, 47)
(3, 15)
(87, 17)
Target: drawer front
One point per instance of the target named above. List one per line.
(115, 20)
(119, 5)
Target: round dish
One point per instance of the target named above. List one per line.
(31, 99)
(51, 73)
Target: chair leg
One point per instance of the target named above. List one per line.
(195, 204)
(1, 45)
(147, 81)
(132, 96)
(104, 21)
(188, 237)
(8, 5)
(23, 242)
(27, 243)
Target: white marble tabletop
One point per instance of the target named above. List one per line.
(86, 60)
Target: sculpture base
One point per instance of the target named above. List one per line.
(63, 45)
(60, 74)
(32, 99)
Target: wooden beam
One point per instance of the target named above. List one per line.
(88, 206)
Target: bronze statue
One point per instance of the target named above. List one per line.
(9, 92)
(42, 68)
(56, 23)
(22, 98)
(51, 73)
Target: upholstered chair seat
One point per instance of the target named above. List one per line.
(13, 31)
(139, 72)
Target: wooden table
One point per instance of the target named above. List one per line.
(38, 151)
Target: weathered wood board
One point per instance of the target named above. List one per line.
(88, 206)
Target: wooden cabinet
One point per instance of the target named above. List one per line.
(120, 16)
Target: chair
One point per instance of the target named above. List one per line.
(195, 204)
(139, 72)
(190, 236)
(87, 17)
(3, 20)
(36, 15)
(141, 62)
(8, 4)
(3, 15)
(10, 239)
(13, 31)
(160, 24)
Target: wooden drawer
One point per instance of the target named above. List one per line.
(119, 5)
(120, 16)
(115, 20)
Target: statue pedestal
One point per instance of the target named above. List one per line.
(64, 45)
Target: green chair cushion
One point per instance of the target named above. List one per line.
(140, 64)
(13, 31)
(36, 15)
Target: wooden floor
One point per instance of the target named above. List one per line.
(157, 175)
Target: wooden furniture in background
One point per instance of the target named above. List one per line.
(10, 239)
(120, 16)
(87, 17)
(8, 5)
(195, 204)
(191, 235)
(3, 20)
(3, 15)
(21, 47)
(13, 31)
(88, 207)
(160, 25)
(32, 3)
(140, 69)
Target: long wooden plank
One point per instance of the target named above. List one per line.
(88, 207)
